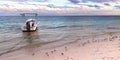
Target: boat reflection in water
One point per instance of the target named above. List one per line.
(32, 42)
(31, 36)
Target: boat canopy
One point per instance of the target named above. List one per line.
(29, 14)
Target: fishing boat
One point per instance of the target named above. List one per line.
(30, 24)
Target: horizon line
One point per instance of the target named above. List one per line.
(64, 15)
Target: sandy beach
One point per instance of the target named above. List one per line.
(94, 47)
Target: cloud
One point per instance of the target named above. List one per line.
(101, 0)
(96, 6)
(107, 4)
(25, 0)
(74, 1)
(15, 0)
(60, 7)
(117, 6)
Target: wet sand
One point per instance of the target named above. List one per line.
(94, 47)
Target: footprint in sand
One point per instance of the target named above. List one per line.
(62, 53)
(107, 58)
(69, 58)
(47, 53)
(55, 50)
(33, 54)
(52, 52)
(66, 48)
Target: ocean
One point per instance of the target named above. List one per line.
(54, 30)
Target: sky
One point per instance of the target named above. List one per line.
(60, 7)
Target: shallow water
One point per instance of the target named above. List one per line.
(58, 30)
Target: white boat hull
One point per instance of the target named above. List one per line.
(32, 29)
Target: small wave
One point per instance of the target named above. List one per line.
(56, 27)
(113, 28)
(46, 27)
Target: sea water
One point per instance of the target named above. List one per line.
(52, 29)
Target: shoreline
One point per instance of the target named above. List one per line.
(101, 47)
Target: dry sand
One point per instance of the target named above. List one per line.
(94, 47)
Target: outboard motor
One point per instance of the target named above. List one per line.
(28, 26)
